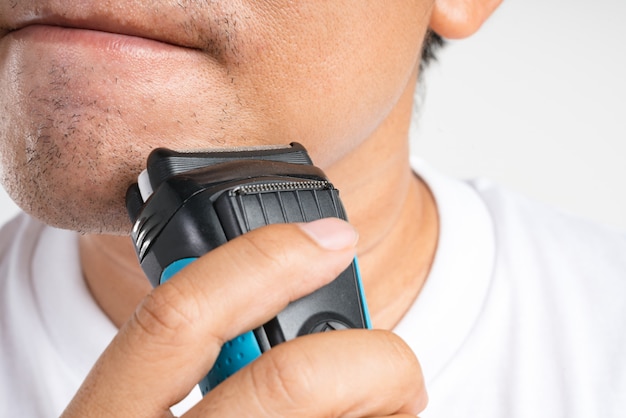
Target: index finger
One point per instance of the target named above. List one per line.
(176, 334)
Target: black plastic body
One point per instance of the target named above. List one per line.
(201, 201)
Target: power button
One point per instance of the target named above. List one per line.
(329, 326)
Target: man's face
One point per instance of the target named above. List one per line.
(88, 88)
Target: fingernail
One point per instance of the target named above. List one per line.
(331, 233)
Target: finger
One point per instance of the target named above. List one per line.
(397, 416)
(352, 373)
(176, 334)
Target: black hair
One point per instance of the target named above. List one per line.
(432, 43)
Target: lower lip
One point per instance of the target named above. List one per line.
(97, 40)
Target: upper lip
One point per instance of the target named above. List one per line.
(171, 31)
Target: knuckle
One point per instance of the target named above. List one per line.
(267, 252)
(401, 354)
(283, 378)
(165, 314)
(407, 368)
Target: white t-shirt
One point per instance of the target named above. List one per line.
(523, 313)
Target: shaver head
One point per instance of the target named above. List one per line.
(163, 164)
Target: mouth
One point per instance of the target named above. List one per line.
(167, 25)
(212, 28)
(143, 29)
(107, 43)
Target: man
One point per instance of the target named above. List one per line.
(472, 283)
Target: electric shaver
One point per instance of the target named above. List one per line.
(187, 203)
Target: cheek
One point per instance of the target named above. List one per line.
(52, 158)
(333, 85)
(77, 124)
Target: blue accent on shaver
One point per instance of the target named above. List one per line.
(366, 312)
(235, 354)
(175, 267)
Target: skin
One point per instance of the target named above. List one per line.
(80, 110)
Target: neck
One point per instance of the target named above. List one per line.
(394, 212)
(391, 208)
(113, 274)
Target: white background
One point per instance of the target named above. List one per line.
(535, 101)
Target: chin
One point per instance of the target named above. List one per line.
(114, 223)
(75, 194)
(86, 216)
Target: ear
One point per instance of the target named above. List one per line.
(455, 19)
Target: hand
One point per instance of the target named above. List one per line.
(175, 335)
